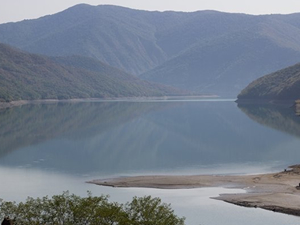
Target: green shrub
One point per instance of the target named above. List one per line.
(69, 209)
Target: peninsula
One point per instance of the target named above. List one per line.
(278, 192)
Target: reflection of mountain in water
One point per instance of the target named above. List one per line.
(277, 117)
(119, 138)
(297, 107)
(32, 124)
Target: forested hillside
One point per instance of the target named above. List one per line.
(208, 52)
(25, 76)
(281, 85)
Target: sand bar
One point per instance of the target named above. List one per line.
(278, 192)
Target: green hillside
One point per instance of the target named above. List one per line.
(26, 76)
(204, 51)
(281, 85)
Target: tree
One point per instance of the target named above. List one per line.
(69, 209)
(147, 210)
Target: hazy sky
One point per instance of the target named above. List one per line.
(16, 10)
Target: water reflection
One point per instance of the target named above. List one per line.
(29, 125)
(297, 107)
(281, 118)
(121, 138)
(47, 149)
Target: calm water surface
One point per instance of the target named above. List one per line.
(49, 148)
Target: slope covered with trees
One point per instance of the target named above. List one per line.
(75, 210)
(26, 76)
(283, 85)
(204, 51)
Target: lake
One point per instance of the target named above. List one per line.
(49, 148)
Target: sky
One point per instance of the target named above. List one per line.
(17, 10)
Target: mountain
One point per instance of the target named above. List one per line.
(25, 76)
(203, 51)
(224, 66)
(227, 61)
(283, 85)
(114, 35)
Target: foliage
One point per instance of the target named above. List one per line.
(147, 210)
(69, 209)
(25, 76)
(280, 85)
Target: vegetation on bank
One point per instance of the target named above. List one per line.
(25, 76)
(280, 85)
(69, 209)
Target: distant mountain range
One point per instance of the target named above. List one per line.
(278, 86)
(25, 76)
(204, 51)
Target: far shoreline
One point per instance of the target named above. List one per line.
(11, 104)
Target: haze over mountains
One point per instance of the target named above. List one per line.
(207, 52)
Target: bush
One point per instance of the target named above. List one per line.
(66, 209)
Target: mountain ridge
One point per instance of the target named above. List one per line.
(203, 51)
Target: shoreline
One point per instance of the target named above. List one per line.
(277, 192)
(11, 104)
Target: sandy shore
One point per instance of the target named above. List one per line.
(277, 191)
